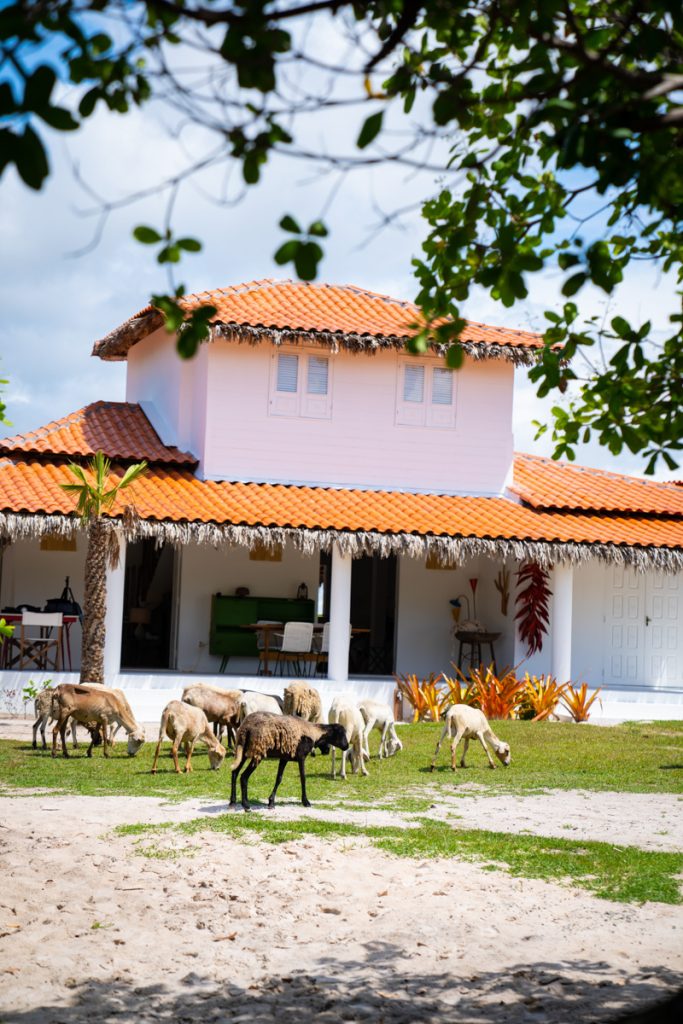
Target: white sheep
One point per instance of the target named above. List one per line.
(185, 724)
(344, 712)
(253, 702)
(377, 715)
(466, 722)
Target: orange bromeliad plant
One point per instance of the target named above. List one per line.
(578, 703)
(461, 690)
(424, 695)
(498, 697)
(542, 695)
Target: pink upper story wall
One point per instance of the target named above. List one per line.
(226, 407)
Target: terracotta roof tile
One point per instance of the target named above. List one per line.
(120, 429)
(176, 496)
(302, 306)
(543, 483)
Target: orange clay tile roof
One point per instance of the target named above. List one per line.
(176, 496)
(543, 483)
(304, 307)
(120, 429)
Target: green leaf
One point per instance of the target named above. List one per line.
(370, 130)
(289, 224)
(31, 159)
(306, 260)
(189, 244)
(146, 235)
(39, 88)
(621, 327)
(287, 252)
(318, 229)
(572, 284)
(59, 119)
(455, 357)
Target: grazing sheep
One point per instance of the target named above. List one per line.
(285, 737)
(43, 709)
(380, 716)
(266, 702)
(93, 704)
(466, 722)
(303, 701)
(185, 724)
(221, 707)
(344, 712)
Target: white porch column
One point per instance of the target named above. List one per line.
(113, 621)
(340, 617)
(561, 622)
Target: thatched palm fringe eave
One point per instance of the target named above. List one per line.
(115, 345)
(448, 550)
(368, 344)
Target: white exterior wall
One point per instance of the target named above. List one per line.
(424, 621)
(206, 571)
(359, 445)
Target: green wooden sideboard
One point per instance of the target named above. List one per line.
(229, 613)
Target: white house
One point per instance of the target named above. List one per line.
(303, 445)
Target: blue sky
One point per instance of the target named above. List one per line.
(55, 304)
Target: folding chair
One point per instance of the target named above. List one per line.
(40, 640)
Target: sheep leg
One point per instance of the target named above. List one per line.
(156, 755)
(74, 737)
(280, 772)
(174, 754)
(464, 751)
(104, 739)
(383, 740)
(40, 721)
(302, 775)
(189, 748)
(334, 762)
(361, 758)
(481, 739)
(456, 739)
(60, 728)
(244, 782)
(369, 726)
(442, 737)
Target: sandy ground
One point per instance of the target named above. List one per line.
(210, 929)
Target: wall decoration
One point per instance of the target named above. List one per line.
(502, 585)
(533, 611)
(266, 553)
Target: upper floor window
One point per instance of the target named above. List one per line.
(426, 395)
(300, 385)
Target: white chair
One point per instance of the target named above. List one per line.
(40, 639)
(292, 645)
(263, 647)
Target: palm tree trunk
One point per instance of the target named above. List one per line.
(94, 603)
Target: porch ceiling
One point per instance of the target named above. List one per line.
(176, 506)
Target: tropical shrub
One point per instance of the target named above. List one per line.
(461, 690)
(498, 697)
(541, 697)
(578, 702)
(425, 696)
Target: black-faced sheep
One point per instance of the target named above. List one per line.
(465, 722)
(263, 735)
(184, 724)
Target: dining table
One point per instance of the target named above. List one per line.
(269, 628)
(10, 652)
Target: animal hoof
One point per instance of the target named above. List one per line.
(432, 767)
(153, 771)
(306, 803)
(247, 809)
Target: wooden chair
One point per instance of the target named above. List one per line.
(40, 640)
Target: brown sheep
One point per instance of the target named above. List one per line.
(303, 701)
(221, 707)
(290, 739)
(185, 724)
(98, 705)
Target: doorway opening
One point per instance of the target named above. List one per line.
(148, 606)
(373, 608)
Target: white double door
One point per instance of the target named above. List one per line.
(644, 629)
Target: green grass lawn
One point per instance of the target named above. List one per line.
(636, 757)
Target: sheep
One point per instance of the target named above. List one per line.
(185, 724)
(267, 702)
(303, 701)
(43, 708)
(285, 737)
(466, 722)
(380, 716)
(96, 704)
(220, 706)
(344, 712)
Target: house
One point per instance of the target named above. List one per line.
(303, 451)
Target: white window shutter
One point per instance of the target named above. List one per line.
(441, 412)
(287, 373)
(316, 402)
(284, 395)
(410, 403)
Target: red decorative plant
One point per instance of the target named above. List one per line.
(532, 602)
